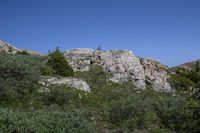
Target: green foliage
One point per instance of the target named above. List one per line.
(22, 53)
(197, 66)
(18, 75)
(176, 114)
(48, 120)
(181, 82)
(59, 64)
(127, 110)
(187, 81)
(46, 70)
(96, 77)
(59, 95)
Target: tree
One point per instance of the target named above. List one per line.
(59, 64)
(99, 48)
(197, 66)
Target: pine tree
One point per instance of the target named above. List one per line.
(99, 48)
(59, 64)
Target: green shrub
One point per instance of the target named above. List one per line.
(181, 82)
(22, 53)
(95, 77)
(53, 119)
(46, 70)
(59, 64)
(18, 75)
(177, 114)
(195, 77)
(133, 113)
(59, 95)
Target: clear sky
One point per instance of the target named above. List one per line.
(168, 30)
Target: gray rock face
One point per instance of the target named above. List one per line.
(156, 75)
(66, 81)
(123, 65)
(80, 59)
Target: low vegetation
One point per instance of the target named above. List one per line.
(110, 107)
(18, 75)
(187, 81)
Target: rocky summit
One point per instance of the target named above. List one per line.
(123, 65)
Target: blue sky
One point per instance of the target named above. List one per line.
(168, 30)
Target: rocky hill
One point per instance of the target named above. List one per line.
(95, 91)
(123, 66)
(8, 48)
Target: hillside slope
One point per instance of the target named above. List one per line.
(35, 98)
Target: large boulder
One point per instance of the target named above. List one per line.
(123, 66)
(65, 81)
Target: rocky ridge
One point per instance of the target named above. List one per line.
(8, 48)
(123, 65)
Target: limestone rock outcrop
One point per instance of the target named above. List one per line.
(123, 65)
(65, 81)
(156, 75)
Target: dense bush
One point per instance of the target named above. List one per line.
(59, 64)
(58, 95)
(53, 119)
(187, 80)
(22, 53)
(46, 70)
(18, 75)
(178, 114)
(181, 83)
